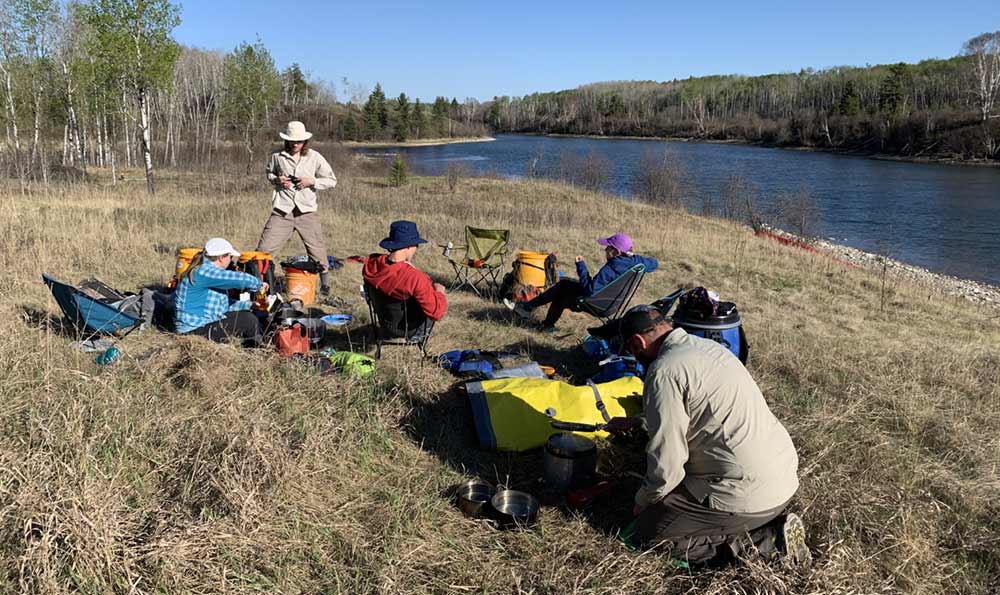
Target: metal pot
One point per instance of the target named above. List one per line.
(473, 496)
(570, 461)
(512, 508)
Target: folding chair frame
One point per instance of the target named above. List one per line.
(621, 291)
(371, 295)
(88, 316)
(494, 260)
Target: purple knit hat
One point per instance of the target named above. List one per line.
(619, 241)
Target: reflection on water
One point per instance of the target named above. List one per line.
(944, 218)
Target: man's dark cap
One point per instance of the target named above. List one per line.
(639, 319)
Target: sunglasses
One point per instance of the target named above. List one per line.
(297, 142)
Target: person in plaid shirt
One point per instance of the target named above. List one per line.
(203, 304)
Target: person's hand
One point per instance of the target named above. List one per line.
(285, 182)
(579, 258)
(622, 425)
(264, 286)
(306, 182)
(637, 509)
(439, 288)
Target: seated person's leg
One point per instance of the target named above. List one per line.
(243, 325)
(561, 291)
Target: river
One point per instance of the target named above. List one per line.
(944, 218)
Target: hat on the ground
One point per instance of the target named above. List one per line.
(619, 241)
(402, 234)
(295, 131)
(220, 247)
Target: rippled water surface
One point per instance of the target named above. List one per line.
(942, 217)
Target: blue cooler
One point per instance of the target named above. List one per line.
(725, 328)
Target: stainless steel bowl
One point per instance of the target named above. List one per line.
(473, 495)
(512, 508)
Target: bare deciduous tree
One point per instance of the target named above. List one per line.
(985, 53)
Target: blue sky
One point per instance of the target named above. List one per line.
(482, 49)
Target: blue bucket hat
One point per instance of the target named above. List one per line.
(402, 234)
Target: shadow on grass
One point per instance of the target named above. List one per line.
(45, 321)
(443, 426)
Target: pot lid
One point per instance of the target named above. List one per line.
(568, 444)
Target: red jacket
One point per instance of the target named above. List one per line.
(402, 281)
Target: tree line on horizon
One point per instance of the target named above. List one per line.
(936, 107)
(103, 83)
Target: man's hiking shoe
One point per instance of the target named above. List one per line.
(518, 308)
(793, 533)
(324, 290)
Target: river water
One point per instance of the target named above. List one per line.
(944, 218)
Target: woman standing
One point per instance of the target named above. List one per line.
(297, 172)
(203, 304)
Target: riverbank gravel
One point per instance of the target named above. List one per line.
(974, 291)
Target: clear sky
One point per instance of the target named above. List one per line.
(514, 47)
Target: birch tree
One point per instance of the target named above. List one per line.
(985, 53)
(133, 37)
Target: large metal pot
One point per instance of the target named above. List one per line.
(570, 461)
(512, 508)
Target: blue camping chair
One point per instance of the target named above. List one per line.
(88, 315)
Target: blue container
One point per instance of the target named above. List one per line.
(727, 330)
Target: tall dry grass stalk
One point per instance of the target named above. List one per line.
(193, 467)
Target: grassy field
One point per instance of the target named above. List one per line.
(190, 467)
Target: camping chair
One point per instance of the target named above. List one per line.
(92, 316)
(391, 322)
(480, 259)
(613, 298)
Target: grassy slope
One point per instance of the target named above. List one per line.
(208, 469)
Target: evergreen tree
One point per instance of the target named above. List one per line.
(398, 173)
(850, 103)
(892, 92)
(350, 128)
(439, 116)
(402, 117)
(420, 124)
(295, 87)
(376, 115)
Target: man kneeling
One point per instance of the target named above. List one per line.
(395, 276)
(720, 467)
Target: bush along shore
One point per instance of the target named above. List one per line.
(191, 467)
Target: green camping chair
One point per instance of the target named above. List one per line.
(480, 260)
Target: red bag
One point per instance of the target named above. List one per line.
(293, 340)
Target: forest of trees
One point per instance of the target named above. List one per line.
(936, 107)
(103, 83)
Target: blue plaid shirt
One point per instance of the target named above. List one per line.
(202, 299)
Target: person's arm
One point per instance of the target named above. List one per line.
(432, 302)
(650, 263)
(604, 276)
(273, 172)
(237, 305)
(667, 422)
(219, 278)
(324, 177)
(586, 283)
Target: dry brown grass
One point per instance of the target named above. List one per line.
(206, 469)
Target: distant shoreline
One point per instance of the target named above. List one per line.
(429, 142)
(736, 141)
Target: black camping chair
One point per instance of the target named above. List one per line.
(613, 298)
(391, 321)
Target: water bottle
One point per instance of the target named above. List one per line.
(108, 356)
(447, 249)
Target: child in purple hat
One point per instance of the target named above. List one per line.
(567, 293)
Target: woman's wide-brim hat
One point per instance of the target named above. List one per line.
(295, 131)
(402, 234)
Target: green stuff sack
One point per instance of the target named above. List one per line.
(510, 413)
(352, 364)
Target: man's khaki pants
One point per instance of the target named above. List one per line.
(279, 228)
(698, 534)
